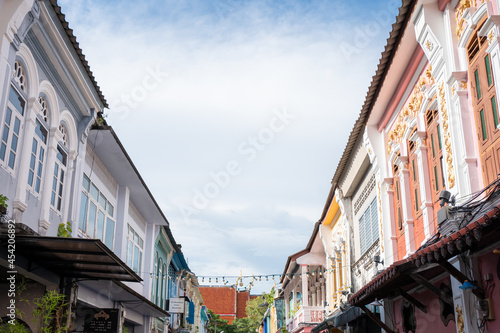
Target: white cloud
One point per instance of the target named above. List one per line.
(230, 65)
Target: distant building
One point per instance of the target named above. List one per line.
(227, 302)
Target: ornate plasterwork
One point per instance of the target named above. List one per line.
(460, 320)
(429, 45)
(462, 6)
(411, 110)
(491, 35)
(446, 134)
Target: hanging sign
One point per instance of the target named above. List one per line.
(176, 305)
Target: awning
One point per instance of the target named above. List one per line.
(347, 316)
(432, 260)
(72, 257)
(129, 297)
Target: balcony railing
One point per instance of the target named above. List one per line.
(304, 316)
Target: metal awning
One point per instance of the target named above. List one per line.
(72, 257)
(129, 297)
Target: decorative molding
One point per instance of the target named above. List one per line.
(460, 320)
(462, 6)
(411, 110)
(364, 195)
(446, 134)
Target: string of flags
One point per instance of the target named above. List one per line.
(225, 279)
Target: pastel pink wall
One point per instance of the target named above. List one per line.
(488, 264)
(430, 322)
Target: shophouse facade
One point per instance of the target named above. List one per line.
(60, 165)
(304, 286)
(429, 124)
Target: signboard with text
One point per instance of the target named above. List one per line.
(176, 305)
(92, 320)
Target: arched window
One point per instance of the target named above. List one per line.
(38, 147)
(159, 282)
(58, 179)
(484, 104)
(155, 277)
(14, 117)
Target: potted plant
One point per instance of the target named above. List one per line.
(3, 204)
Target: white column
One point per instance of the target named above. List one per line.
(54, 137)
(305, 284)
(68, 189)
(24, 155)
(407, 210)
(425, 189)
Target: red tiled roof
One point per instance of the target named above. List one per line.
(242, 298)
(221, 300)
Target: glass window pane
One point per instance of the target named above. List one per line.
(416, 200)
(12, 160)
(16, 100)
(110, 233)
(41, 131)
(17, 125)
(483, 125)
(439, 137)
(86, 183)
(83, 212)
(110, 209)
(30, 177)
(495, 111)
(102, 201)
(130, 252)
(3, 149)
(61, 155)
(100, 226)
(488, 69)
(432, 145)
(37, 185)
(136, 238)
(478, 87)
(92, 218)
(436, 178)
(94, 192)
(136, 259)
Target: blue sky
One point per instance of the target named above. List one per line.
(236, 113)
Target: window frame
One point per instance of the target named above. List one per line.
(37, 158)
(134, 241)
(10, 148)
(85, 212)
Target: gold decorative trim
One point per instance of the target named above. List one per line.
(460, 320)
(463, 85)
(453, 89)
(428, 45)
(491, 35)
(459, 12)
(415, 101)
(446, 134)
